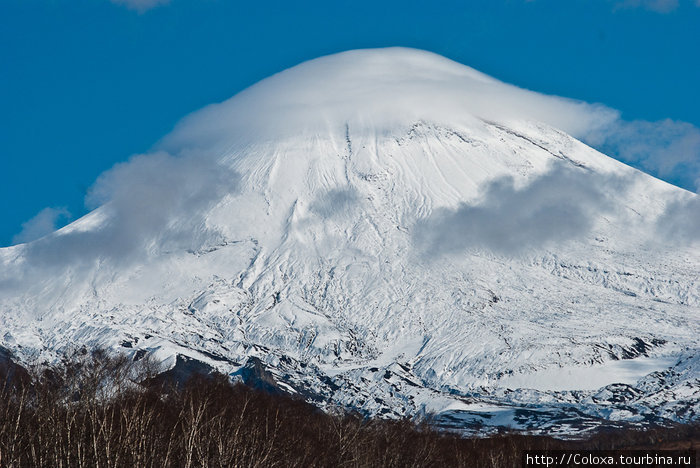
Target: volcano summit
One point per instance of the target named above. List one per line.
(390, 231)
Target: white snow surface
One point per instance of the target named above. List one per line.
(350, 240)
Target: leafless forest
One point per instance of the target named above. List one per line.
(100, 411)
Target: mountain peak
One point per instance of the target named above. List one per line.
(387, 230)
(375, 91)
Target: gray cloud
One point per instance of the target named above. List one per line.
(153, 202)
(680, 223)
(556, 207)
(40, 225)
(667, 149)
(335, 202)
(140, 5)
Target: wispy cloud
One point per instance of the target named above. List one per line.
(153, 202)
(140, 5)
(559, 206)
(680, 223)
(659, 6)
(336, 202)
(45, 222)
(667, 149)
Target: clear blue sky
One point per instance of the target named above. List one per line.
(86, 83)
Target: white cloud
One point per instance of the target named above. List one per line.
(375, 91)
(40, 225)
(140, 5)
(382, 88)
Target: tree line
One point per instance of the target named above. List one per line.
(98, 410)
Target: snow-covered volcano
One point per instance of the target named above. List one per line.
(386, 230)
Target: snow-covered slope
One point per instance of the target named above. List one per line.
(386, 230)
